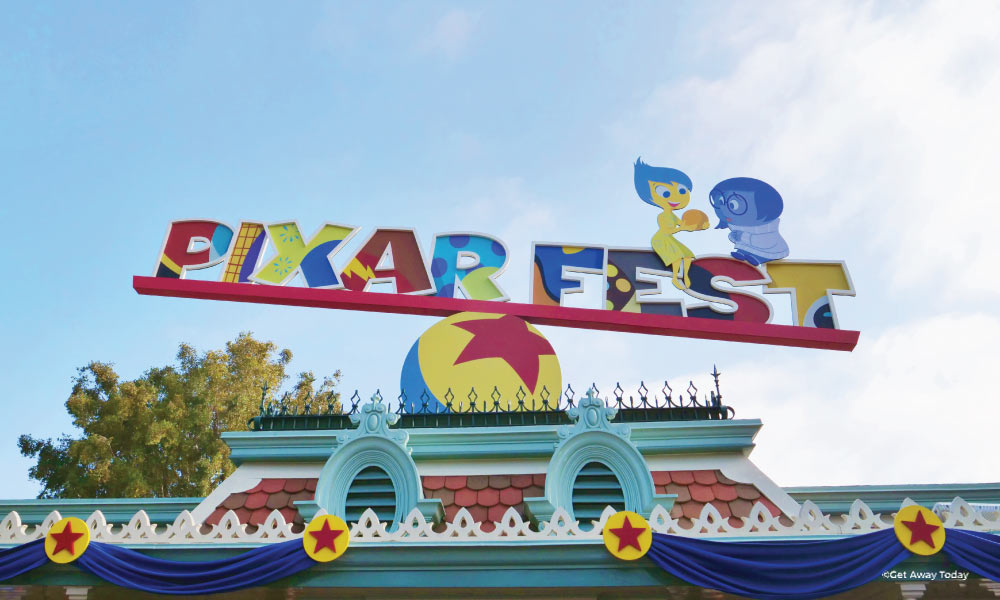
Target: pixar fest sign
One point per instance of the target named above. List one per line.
(722, 296)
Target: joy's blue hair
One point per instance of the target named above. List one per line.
(767, 200)
(645, 173)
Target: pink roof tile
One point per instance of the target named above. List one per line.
(293, 486)
(496, 513)
(692, 510)
(510, 496)
(724, 492)
(488, 497)
(477, 482)
(454, 482)
(479, 513)
(271, 486)
(705, 477)
(234, 501)
(682, 477)
(683, 495)
(661, 477)
(278, 500)
(520, 481)
(465, 497)
(538, 479)
(723, 479)
(499, 482)
(433, 482)
(701, 493)
(723, 508)
(747, 492)
(258, 516)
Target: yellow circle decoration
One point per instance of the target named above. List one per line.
(66, 540)
(623, 285)
(627, 535)
(326, 537)
(919, 530)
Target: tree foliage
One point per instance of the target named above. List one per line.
(160, 435)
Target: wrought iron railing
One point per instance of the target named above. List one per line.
(474, 410)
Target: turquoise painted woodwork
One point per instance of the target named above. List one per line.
(593, 438)
(886, 498)
(534, 441)
(372, 444)
(115, 510)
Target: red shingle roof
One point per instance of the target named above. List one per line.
(695, 489)
(254, 505)
(487, 497)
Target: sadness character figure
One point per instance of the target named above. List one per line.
(670, 190)
(750, 209)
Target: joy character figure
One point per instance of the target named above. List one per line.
(670, 190)
(750, 209)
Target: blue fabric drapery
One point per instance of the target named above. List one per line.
(973, 551)
(786, 570)
(132, 569)
(21, 559)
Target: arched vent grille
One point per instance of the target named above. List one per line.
(372, 488)
(596, 487)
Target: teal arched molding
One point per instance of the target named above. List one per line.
(592, 438)
(372, 444)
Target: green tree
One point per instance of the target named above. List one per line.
(160, 435)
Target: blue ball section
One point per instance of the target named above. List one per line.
(447, 290)
(413, 385)
(497, 249)
(459, 241)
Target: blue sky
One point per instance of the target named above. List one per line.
(876, 122)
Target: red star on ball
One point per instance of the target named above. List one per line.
(921, 530)
(66, 539)
(628, 536)
(507, 338)
(325, 537)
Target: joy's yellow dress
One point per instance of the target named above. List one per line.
(670, 251)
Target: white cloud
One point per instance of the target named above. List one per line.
(451, 34)
(904, 408)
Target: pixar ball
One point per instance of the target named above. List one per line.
(479, 351)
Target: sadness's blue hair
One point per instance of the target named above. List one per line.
(645, 173)
(766, 199)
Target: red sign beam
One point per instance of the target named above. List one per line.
(580, 318)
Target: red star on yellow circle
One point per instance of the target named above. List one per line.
(66, 539)
(921, 530)
(628, 536)
(509, 339)
(326, 537)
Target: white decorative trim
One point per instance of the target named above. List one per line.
(415, 528)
